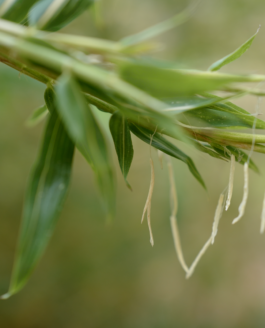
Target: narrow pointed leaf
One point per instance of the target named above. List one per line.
(87, 135)
(158, 29)
(234, 55)
(37, 116)
(220, 116)
(240, 156)
(165, 82)
(44, 199)
(159, 142)
(52, 15)
(121, 135)
(206, 148)
(16, 10)
(183, 104)
(227, 104)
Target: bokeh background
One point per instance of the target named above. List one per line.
(98, 275)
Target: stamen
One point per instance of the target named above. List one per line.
(262, 226)
(160, 157)
(217, 216)
(242, 206)
(173, 192)
(173, 219)
(231, 182)
(147, 206)
(177, 243)
(197, 259)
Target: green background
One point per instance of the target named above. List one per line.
(99, 275)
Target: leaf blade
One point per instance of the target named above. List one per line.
(17, 10)
(37, 116)
(52, 15)
(45, 195)
(121, 135)
(159, 142)
(163, 81)
(88, 137)
(234, 55)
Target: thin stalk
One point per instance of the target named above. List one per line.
(250, 91)
(257, 148)
(22, 68)
(75, 41)
(92, 76)
(221, 135)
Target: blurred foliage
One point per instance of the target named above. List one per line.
(94, 275)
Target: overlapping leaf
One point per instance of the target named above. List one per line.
(16, 10)
(121, 135)
(158, 29)
(38, 115)
(86, 133)
(208, 149)
(52, 15)
(159, 142)
(234, 55)
(220, 116)
(240, 156)
(182, 104)
(168, 82)
(44, 199)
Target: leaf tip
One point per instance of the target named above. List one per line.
(5, 296)
(128, 185)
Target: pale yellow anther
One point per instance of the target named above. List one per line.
(217, 216)
(262, 226)
(242, 206)
(147, 206)
(173, 219)
(231, 182)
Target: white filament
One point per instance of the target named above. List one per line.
(177, 243)
(198, 257)
(147, 206)
(173, 219)
(173, 192)
(160, 157)
(231, 182)
(217, 216)
(262, 226)
(242, 206)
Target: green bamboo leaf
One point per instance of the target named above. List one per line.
(220, 116)
(159, 28)
(234, 55)
(227, 104)
(208, 149)
(45, 196)
(166, 82)
(182, 104)
(52, 15)
(159, 142)
(16, 10)
(121, 135)
(85, 132)
(240, 156)
(37, 116)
